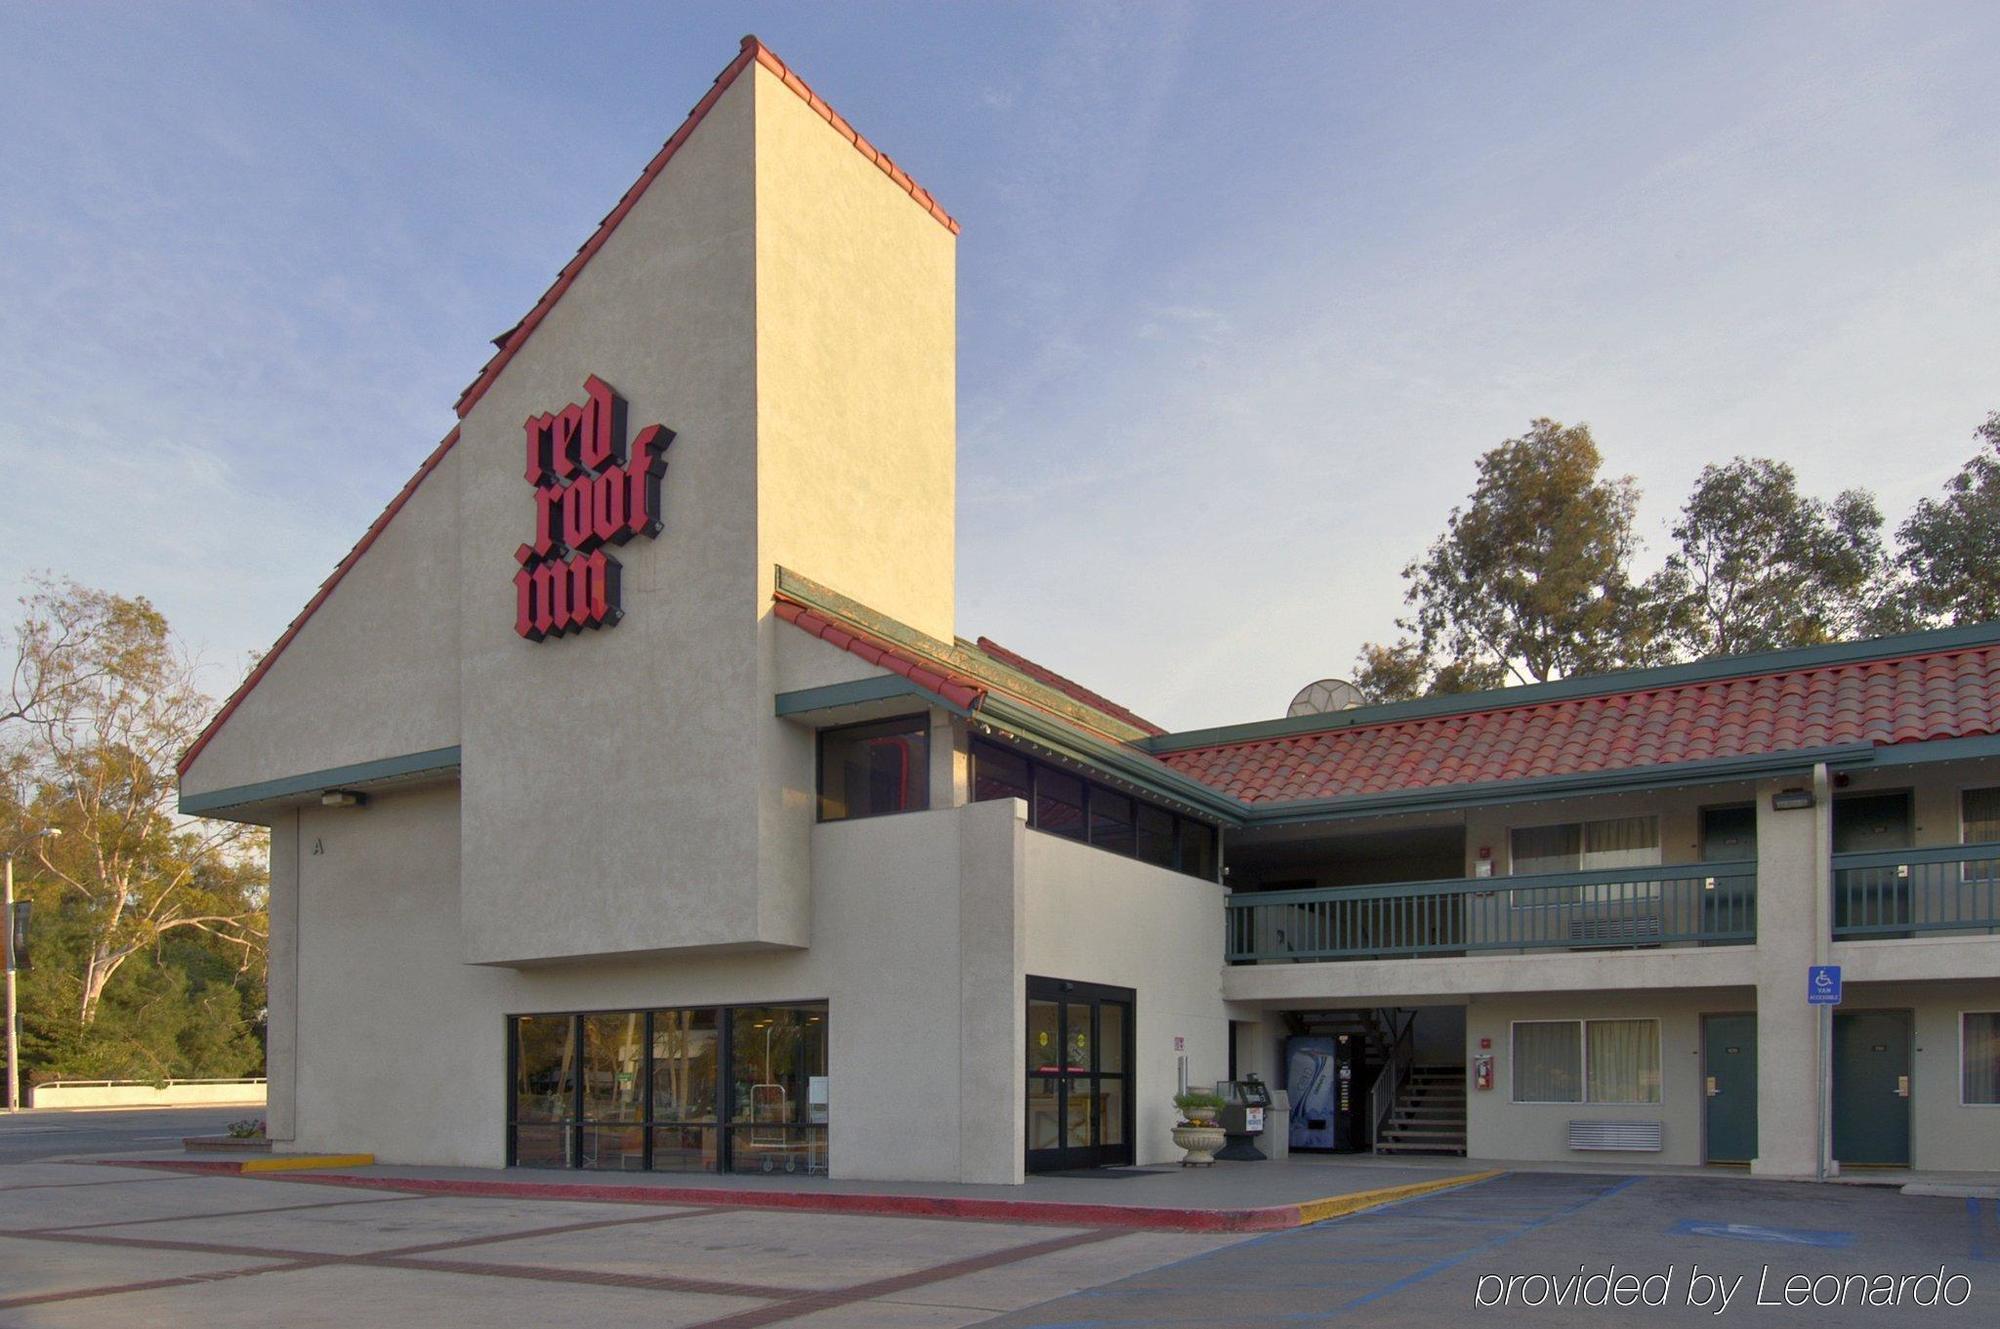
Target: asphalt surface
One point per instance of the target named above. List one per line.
(27, 1137)
(1437, 1259)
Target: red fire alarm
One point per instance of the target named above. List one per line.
(1485, 1045)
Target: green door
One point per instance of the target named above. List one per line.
(1729, 1079)
(1871, 1088)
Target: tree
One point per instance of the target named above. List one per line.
(1403, 671)
(1530, 579)
(115, 706)
(1951, 545)
(1760, 566)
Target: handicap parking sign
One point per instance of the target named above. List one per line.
(1823, 985)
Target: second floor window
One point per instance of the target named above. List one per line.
(866, 770)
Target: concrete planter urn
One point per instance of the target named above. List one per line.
(1200, 1139)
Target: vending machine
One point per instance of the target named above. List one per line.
(1322, 1076)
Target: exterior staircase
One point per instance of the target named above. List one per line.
(1429, 1116)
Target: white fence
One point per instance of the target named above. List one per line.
(141, 1093)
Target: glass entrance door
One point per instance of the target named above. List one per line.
(1079, 1075)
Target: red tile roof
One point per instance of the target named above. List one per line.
(1950, 693)
(753, 51)
(962, 692)
(1068, 687)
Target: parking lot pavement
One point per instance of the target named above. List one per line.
(82, 1244)
(1452, 1256)
(107, 1247)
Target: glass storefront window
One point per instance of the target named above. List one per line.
(868, 770)
(624, 1090)
(778, 1088)
(684, 1052)
(544, 1068)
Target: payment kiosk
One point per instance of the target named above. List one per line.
(1245, 1104)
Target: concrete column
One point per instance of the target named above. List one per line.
(951, 761)
(1794, 852)
(993, 993)
(281, 997)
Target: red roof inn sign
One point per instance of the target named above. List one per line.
(590, 491)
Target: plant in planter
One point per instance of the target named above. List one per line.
(250, 1128)
(1197, 1132)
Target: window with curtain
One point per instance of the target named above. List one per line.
(1587, 1061)
(1979, 816)
(1583, 846)
(1548, 1062)
(1623, 1060)
(1979, 1057)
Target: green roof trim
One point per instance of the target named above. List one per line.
(806, 701)
(312, 782)
(1592, 685)
(1117, 761)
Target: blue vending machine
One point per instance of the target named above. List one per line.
(1320, 1075)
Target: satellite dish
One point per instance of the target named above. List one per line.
(1325, 697)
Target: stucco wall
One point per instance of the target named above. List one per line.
(608, 802)
(402, 1049)
(1945, 1135)
(1498, 1127)
(372, 674)
(1095, 917)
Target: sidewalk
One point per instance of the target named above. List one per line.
(1240, 1197)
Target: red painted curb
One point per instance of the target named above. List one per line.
(1043, 1212)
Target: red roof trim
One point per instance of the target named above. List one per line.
(1067, 686)
(375, 529)
(753, 50)
(960, 692)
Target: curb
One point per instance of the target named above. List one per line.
(1052, 1213)
(240, 1166)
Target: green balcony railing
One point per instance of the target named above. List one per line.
(1905, 892)
(1683, 904)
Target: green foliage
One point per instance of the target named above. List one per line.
(1530, 580)
(249, 1128)
(1760, 566)
(1951, 544)
(1198, 1100)
(149, 928)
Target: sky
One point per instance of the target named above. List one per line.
(1243, 291)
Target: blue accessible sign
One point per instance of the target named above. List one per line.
(1823, 985)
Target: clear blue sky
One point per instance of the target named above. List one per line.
(1243, 290)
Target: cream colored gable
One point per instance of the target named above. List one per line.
(372, 673)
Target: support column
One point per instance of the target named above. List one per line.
(1794, 851)
(993, 993)
(281, 995)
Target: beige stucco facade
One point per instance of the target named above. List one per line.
(628, 818)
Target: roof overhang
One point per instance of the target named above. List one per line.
(255, 802)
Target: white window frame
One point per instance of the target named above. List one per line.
(1583, 1062)
(1961, 1059)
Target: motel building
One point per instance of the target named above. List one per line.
(634, 803)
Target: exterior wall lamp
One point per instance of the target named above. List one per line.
(343, 798)
(1793, 800)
